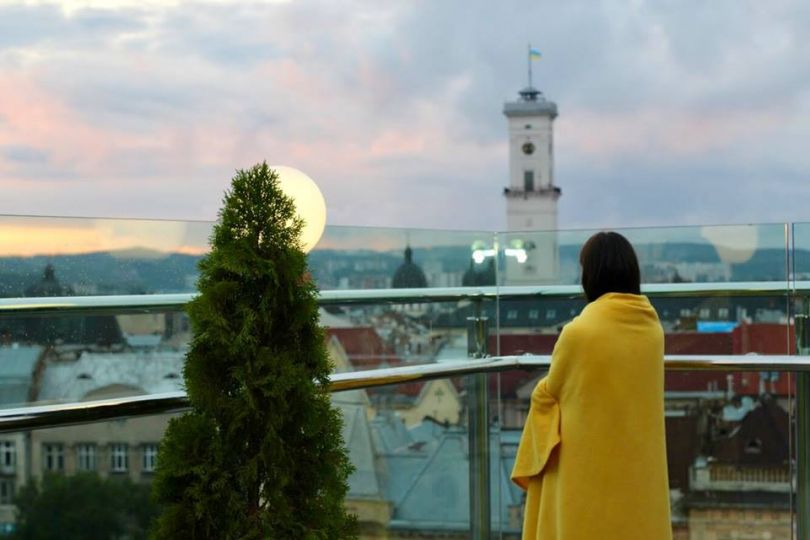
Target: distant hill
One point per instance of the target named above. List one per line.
(106, 272)
(139, 271)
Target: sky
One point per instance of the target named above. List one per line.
(671, 112)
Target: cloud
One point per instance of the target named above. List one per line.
(669, 113)
(24, 154)
(33, 25)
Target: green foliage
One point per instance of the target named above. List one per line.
(261, 454)
(83, 507)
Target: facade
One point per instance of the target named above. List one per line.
(13, 466)
(532, 194)
(126, 447)
(122, 448)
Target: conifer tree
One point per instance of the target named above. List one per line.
(260, 455)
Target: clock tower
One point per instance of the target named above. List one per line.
(531, 197)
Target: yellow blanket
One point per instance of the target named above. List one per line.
(592, 457)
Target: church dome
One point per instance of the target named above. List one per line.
(48, 286)
(409, 275)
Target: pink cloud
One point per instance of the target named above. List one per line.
(663, 133)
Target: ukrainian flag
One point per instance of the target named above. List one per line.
(535, 54)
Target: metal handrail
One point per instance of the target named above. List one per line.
(62, 414)
(143, 303)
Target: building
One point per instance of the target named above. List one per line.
(121, 448)
(532, 194)
(744, 489)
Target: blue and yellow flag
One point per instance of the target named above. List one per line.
(535, 54)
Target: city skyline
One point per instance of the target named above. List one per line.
(132, 109)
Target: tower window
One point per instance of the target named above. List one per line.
(528, 180)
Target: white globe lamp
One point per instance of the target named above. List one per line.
(735, 244)
(310, 205)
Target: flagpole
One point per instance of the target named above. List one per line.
(529, 60)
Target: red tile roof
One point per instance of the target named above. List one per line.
(364, 347)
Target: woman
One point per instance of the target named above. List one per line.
(592, 457)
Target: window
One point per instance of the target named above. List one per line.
(722, 313)
(150, 452)
(686, 312)
(511, 314)
(528, 180)
(86, 457)
(8, 457)
(705, 313)
(53, 457)
(534, 313)
(754, 446)
(7, 491)
(119, 458)
(551, 313)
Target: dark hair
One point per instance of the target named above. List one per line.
(609, 264)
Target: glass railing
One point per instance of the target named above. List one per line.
(93, 338)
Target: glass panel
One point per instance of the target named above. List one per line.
(412, 475)
(69, 358)
(508, 411)
(62, 359)
(667, 255)
(75, 256)
(729, 434)
(59, 358)
(365, 258)
(800, 269)
(409, 447)
(800, 282)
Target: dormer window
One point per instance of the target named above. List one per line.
(754, 446)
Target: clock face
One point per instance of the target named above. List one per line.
(528, 148)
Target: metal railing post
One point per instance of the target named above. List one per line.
(802, 322)
(478, 429)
